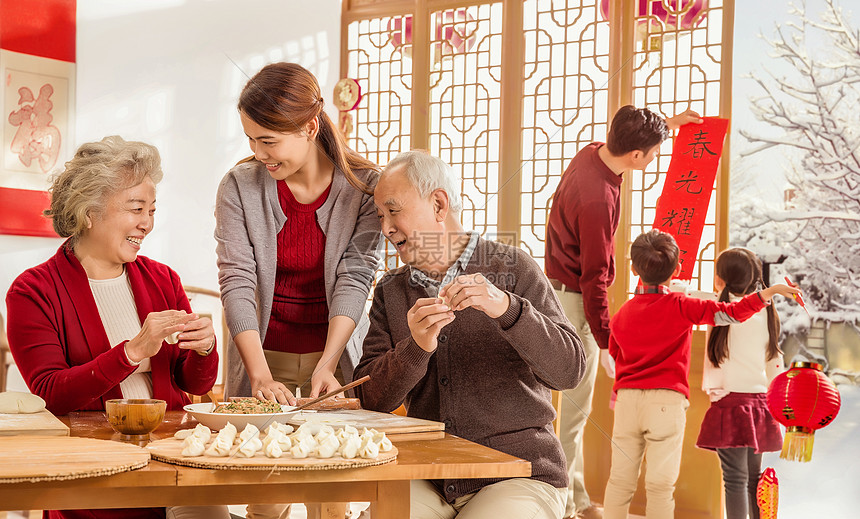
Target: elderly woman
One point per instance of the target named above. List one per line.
(90, 324)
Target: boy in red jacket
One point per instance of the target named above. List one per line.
(650, 338)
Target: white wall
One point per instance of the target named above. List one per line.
(169, 72)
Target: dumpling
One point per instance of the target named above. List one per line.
(303, 448)
(202, 432)
(220, 447)
(349, 447)
(285, 428)
(328, 446)
(229, 431)
(273, 450)
(369, 449)
(347, 431)
(194, 447)
(181, 434)
(384, 443)
(250, 447)
(250, 431)
(272, 428)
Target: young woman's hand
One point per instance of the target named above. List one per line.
(155, 329)
(323, 381)
(273, 391)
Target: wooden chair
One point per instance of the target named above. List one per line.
(196, 294)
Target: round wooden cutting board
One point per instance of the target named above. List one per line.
(170, 451)
(30, 459)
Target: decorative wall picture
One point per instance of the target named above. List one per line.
(36, 134)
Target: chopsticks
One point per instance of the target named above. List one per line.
(330, 394)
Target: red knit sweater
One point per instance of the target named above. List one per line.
(580, 251)
(299, 322)
(652, 335)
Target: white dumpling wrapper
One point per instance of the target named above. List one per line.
(369, 449)
(195, 447)
(250, 431)
(220, 447)
(349, 448)
(250, 447)
(183, 434)
(273, 450)
(202, 432)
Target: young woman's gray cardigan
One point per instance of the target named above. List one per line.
(248, 218)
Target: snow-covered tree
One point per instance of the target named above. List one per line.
(816, 111)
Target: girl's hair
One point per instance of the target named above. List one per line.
(285, 97)
(740, 269)
(97, 172)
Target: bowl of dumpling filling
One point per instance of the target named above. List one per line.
(240, 412)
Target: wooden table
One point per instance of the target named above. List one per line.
(162, 484)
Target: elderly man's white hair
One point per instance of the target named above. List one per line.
(427, 174)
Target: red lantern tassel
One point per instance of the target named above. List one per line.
(797, 445)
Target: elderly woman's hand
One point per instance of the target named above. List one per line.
(155, 329)
(198, 335)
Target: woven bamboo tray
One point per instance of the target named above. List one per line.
(31, 459)
(170, 450)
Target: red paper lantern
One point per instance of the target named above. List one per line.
(803, 399)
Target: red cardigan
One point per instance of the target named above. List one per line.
(60, 346)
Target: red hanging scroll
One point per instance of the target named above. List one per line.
(683, 205)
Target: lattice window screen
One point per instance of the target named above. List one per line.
(564, 102)
(686, 73)
(465, 87)
(382, 119)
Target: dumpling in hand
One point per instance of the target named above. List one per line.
(194, 447)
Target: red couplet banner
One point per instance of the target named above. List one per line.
(683, 205)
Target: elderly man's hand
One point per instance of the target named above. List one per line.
(426, 319)
(475, 291)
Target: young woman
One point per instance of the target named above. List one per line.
(741, 361)
(297, 242)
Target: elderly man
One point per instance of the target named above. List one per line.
(469, 332)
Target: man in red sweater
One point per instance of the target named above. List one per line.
(650, 342)
(580, 260)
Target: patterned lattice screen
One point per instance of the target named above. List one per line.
(379, 59)
(683, 70)
(465, 84)
(564, 101)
